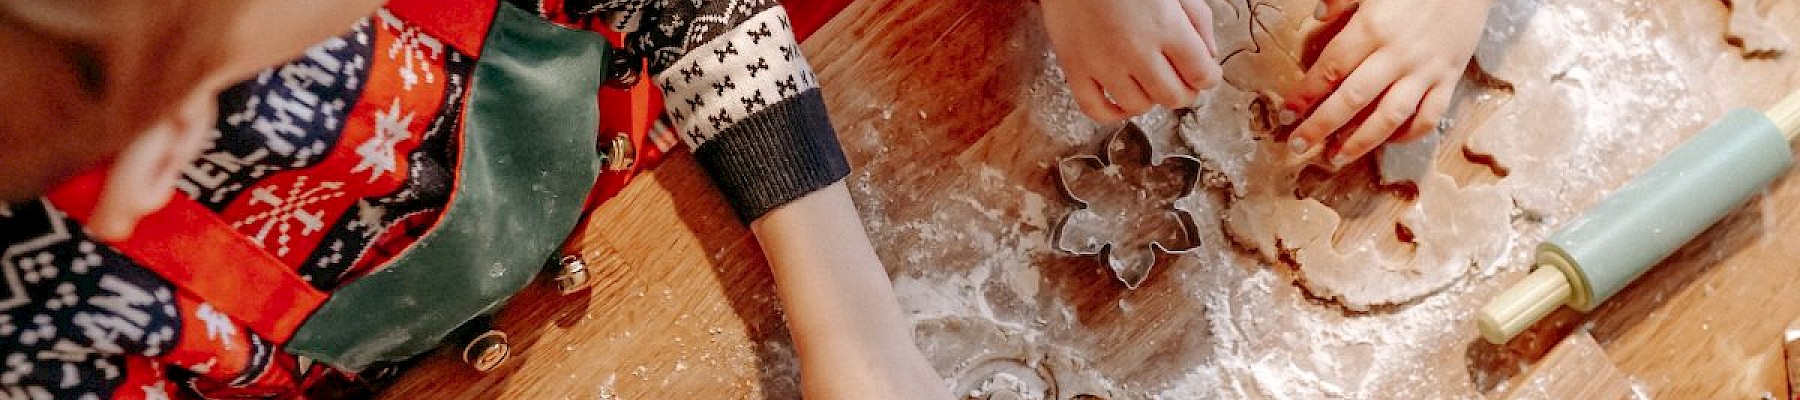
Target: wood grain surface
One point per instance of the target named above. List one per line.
(1576, 369)
(684, 306)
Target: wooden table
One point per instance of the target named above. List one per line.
(684, 307)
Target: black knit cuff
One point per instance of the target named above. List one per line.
(775, 156)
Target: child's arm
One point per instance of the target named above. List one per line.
(742, 96)
(1401, 57)
(1121, 57)
(850, 334)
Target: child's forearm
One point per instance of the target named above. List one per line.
(847, 325)
(826, 271)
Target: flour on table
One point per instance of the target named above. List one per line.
(1294, 304)
(1588, 113)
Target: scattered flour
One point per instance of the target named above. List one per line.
(972, 266)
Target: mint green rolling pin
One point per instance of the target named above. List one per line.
(1635, 228)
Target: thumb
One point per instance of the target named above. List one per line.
(142, 178)
(139, 182)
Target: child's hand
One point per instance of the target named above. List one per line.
(1137, 52)
(1401, 57)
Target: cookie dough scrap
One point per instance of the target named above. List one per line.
(1266, 41)
(1749, 31)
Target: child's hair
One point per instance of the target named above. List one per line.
(81, 79)
(125, 51)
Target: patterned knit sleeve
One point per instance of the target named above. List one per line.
(738, 90)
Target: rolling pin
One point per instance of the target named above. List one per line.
(1636, 227)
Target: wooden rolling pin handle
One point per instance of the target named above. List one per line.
(1523, 304)
(1786, 115)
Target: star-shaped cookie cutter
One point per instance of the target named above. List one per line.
(1131, 275)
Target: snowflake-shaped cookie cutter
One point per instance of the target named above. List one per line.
(1080, 224)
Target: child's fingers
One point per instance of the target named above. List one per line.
(1197, 71)
(1092, 100)
(1128, 94)
(1343, 55)
(1431, 110)
(1164, 86)
(1368, 81)
(1200, 14)
(1397, 106)
(1330, 10)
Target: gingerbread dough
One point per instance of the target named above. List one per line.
(1453, 229)
(1439, 235)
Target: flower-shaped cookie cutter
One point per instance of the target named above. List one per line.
(1079, 232)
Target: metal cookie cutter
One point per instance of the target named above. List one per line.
(1077, 231)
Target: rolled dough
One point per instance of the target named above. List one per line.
(1436, 235)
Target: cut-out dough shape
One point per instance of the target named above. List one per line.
(1231, 28)
(1261, 47)
(1753, 33)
